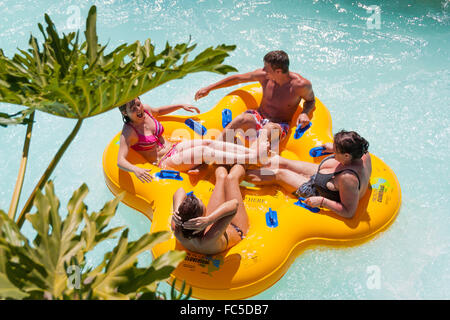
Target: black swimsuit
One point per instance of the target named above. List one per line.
(317, 185)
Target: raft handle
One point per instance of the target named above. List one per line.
(300, 131)
(196, 126)
(317, 152)
(271, 218)
(300, 203)
(169, 174)
(226, 117)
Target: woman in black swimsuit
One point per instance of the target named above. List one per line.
(219, 225)
(337, 183)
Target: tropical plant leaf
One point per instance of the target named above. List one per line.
(8, 290)
(159, 270)
(70, 80)
(43, 270)
(117, 264)
(20, 117)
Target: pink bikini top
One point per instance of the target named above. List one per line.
(149, 142)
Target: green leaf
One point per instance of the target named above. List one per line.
(20, 117)
(72, 80)
(91, 35)
(8, 290)
(123, 258)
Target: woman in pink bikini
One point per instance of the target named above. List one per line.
(142, 132)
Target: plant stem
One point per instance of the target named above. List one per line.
(48, 172)
(23, 165)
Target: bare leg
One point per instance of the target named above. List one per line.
(243, 121)
(214, 144)
(288, 179)
(228, 146)
(300, 167)
(190, 158)
(233, 191)
(218, 194)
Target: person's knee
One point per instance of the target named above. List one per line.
(243, 120)
(237, 170)
(207, 142)
(221, 173)
(279, 173)
(272, 131)
(236, 173)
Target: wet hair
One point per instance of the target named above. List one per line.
(190, 208)
(123, 109)
(278, 60)
(351, 142)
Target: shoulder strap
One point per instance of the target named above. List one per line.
(134, 128)
(356, 174)
(158, 125)
(329, 157)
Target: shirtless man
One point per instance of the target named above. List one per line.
(282, 92)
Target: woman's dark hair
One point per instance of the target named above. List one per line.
(190, 208)
(123, 109)
(351, 142)
(278, 60)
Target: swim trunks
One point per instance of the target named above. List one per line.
(261, 122)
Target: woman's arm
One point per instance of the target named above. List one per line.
(178, 198)
(142, 174)
(160, 111)
(349, 194)
(226, 209)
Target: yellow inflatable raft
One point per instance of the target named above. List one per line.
(280, 226)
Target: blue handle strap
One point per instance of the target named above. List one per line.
(169, 174)
(196, 126)
(300, 203)
(271, 218)
(226, 117)
(300, 131)
(317, 152)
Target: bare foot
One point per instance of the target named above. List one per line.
(260, 175)
(196, 170)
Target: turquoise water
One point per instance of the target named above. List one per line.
(391, 84)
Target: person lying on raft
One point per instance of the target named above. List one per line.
(337, 183)
(219, 225)
(143, 133)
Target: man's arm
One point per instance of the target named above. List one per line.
(253, 76)
(306, 92)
